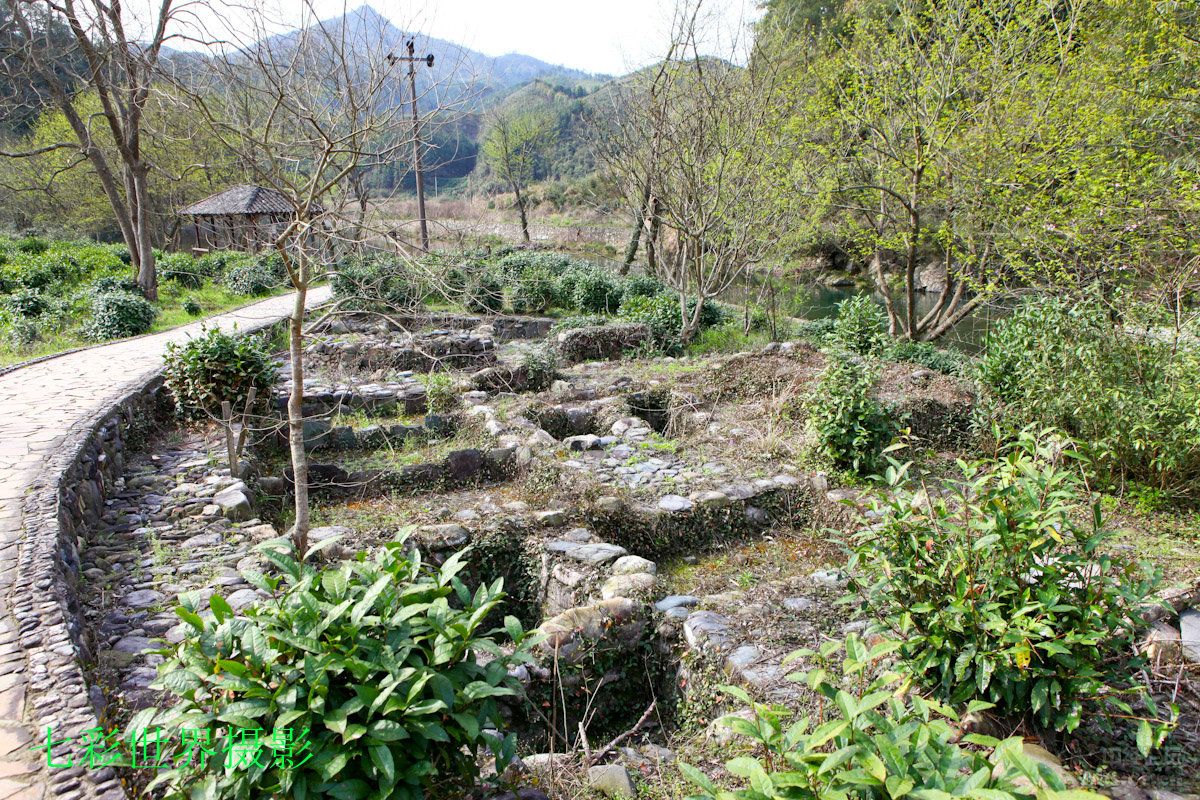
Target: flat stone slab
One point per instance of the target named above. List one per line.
(595, 554)
(1189, 633)
(674, 503)
(676, 601)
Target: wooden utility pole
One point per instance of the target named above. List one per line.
(416, 121)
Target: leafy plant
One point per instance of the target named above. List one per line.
(641, 286)
(661, 313)
(485, 295)
(33, 245)
(949, 362)
(214, 367)
(254, 276)
(119, 314)
(192, 307)
(533, 291)
(852, 429)
(383, 284)
(440, 395)
(182, 269)
(1001, 591)
(870, 739)
(579, 321)
(360, 680)
(1130, 398)
(861, 326)
(596, 292)
(113, 283)
(28, 303)
(541, 364)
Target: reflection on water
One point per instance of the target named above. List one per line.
(816, 301)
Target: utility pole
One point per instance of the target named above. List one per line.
(416, 121)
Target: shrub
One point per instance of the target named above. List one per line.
(861, 326)
(97, 259)
(949, 362)
(21, 332)
(870, 738)
(851, 427)
(1130, 399)
(116, 315)
(1002, 590)
(113, 283)
(32, 245)
(192, 307)
(440, 395)
(51, 271)
(579, 321)
(254, 276)
(661, 313)
(597, 292)
(182, 269)
(121, 252)
(370, 665)
(27, 303)
(815, 331)
(377, 283)
(533, 291)
(214, 264)
(485, 295)
(641, 286)
(216, 366)
(541, 364)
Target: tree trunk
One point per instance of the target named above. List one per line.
(147, 277)
(295, 408)
(521, 212)
(636, 238)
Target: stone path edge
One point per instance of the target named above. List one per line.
(42, 682)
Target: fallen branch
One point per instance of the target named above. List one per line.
(615, 743)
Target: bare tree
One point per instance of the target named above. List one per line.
(694, 145)
(307, 113)
(110, 53)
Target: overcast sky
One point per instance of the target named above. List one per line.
(602, 36)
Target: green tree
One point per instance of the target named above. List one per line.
(513, 147)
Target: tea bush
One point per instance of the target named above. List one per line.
(216, 366)
(182, 269)
(1131, 399)
(852, 429)
(948, 362)
(641, 286)
(113, 283)
(1003, 591)
(861, 326)
(440, 395)
(116, 315)
(596, 292)
(28, 303)
(376, 283)
(661, 314)
(533, 292)
(871, 739)
(32, 245)
(359, 680)
(485, 295)
(255, 276)
(541, 363)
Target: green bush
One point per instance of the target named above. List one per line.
(192, 307)
(533, 292)
(485, 295)
(216, 366)
(376, 283)
(596, 292)
(32, 245)
(861, 326)
(27, 303)
(541, 363)
(641, 286)
(870, 738)
(661, 313)
(113, 283)
(440, 395)
(182, 269)
(116, 315)
(372, 666)
(852, 429)
(254, 276)
(50, 271)
(815, 331)
(21, 332)
(96, 260)
(949, 362)
(1003, 590)
(1131, 399)
(579, 321)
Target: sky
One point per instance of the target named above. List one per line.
(599, 36)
